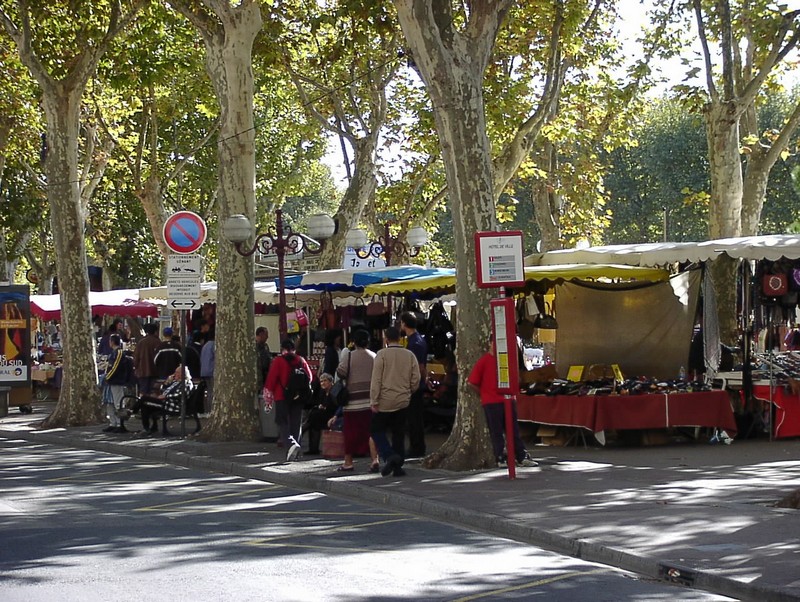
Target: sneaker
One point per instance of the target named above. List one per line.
(294, 450)
(502, 463)
(527, 461)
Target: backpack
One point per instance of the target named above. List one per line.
(298, 388)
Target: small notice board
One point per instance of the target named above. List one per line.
(500, 257)
(504, 334)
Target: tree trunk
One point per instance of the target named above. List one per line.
(78, 402)
(229, 63)
(360, 191)
(725, 168)
(451, 64)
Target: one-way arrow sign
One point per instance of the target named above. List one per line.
(181, 304)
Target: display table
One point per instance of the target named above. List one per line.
(599, 413)
(786, 422)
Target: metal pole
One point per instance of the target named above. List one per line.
(182, 314)
(280, 252)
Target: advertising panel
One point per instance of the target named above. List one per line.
(15, 336)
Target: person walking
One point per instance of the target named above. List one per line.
(356, 369)
(416, 408)
(208, 358)
(144, 356)
(395, 377)
(483, 379)
(284, 382)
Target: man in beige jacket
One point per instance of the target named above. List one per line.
(395, 376)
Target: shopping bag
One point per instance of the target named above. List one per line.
(332, 444)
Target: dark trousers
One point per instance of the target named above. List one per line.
(288, 417)
(393, 423)
(415, 418)
(496, 421)
(316, 422)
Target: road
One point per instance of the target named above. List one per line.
(89, 526)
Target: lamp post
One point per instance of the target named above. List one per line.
(283, 240)
(387, 244)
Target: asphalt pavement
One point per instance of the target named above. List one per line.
(688, 512)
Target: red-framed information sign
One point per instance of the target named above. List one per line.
(500, 257)
(504, 335)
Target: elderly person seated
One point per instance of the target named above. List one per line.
(322, 410)
(166, 402)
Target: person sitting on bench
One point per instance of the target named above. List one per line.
(166, 402)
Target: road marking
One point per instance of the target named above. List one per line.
(207, 498)
(268, 541)
(546, 581)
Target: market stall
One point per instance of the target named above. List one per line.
(123, 302)
(601, 413)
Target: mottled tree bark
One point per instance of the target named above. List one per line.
(451, 62)
(228, 33)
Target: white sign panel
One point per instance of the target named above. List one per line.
(500, 258)
(184, 265)
(183, 281)
(354, 262)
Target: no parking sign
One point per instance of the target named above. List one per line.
(184, 232)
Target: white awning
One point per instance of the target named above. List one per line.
(771, 247)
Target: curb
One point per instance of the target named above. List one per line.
(492, 524)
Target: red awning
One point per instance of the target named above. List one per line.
(106, 303)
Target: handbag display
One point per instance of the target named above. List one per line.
(774, 285)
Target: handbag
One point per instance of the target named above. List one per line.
(327, 313)
(332, 444)
(546, 320)
(378, 316)
(376, 307)
(774, 285)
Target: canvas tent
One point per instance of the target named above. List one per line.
(442, 284)
(356, 280)
(771, 247)
(123, 302)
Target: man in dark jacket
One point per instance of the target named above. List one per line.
(144, 358)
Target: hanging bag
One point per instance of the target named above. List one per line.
(327, 313)
(378, 316)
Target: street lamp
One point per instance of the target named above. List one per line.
(238, 229)
(387, 244)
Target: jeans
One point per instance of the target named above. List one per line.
(496, 421)
(288, 416)
(389, 422)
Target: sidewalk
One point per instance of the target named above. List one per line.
(696, 514)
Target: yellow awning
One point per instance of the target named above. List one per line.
(446, 284)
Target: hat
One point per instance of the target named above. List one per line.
(168, 331)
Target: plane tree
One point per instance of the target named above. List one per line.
(62, 54)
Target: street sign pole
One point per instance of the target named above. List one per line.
(184, 233)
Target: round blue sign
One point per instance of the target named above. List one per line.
(184, 232)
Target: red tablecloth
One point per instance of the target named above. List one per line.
(787, 410)
(615, 412)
